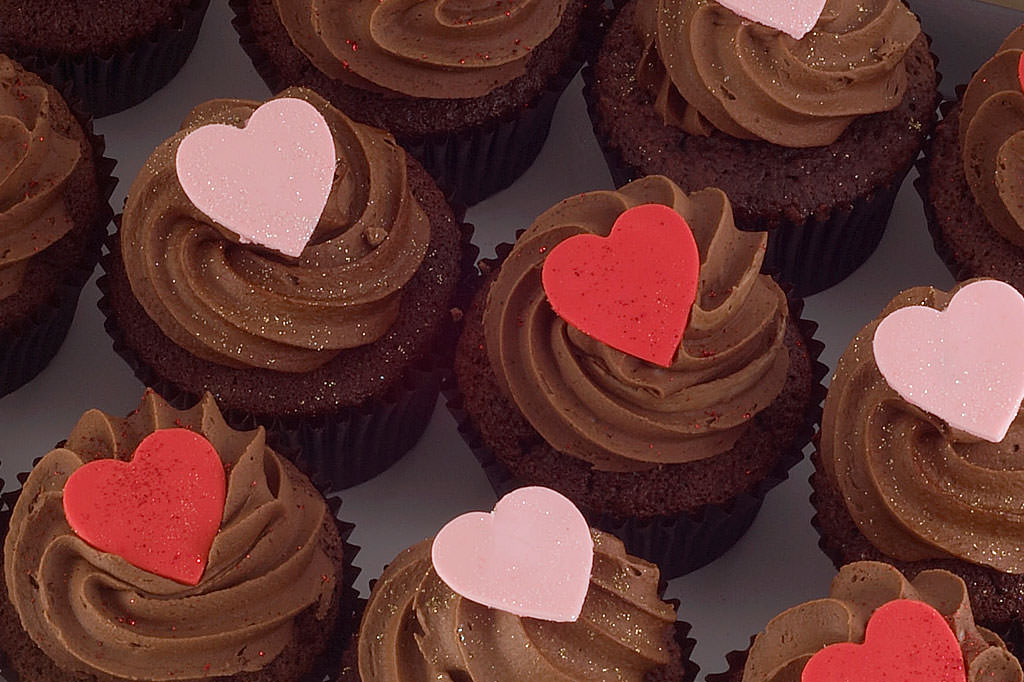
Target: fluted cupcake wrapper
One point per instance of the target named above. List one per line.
(343, 448)
(678, 543)
(112, 83)
(26, 348)
(736, 660)
(325, 666)
(469, 165)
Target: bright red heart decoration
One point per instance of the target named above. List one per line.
(631, 290)
(160, 511)
(905, 641)
(1020, 71)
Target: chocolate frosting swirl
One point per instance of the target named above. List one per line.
(236, 305)
(711, 69)
(616, 411)
(992, 139)
(36, 161)
(780, 653)
(916, 488)
(443, 49)
(94, 613)
(416, 629)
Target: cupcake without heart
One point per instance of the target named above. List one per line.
(112, 55)
(918, 459)
(970, 176)
(877, 624)
(808, 117)
(54, 190)
(561, 602)
(169, 546)
(314, 299)
(468, 88)
(665, 394)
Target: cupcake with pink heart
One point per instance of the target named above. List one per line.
(528, 590)
(168, 546)
(876, 624)
(628, 352)
(300, 267)
(807, 113)
(919, 456)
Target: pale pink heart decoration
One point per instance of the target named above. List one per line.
(793, 17)
(965, 364)
(267, 183)
(531, 556)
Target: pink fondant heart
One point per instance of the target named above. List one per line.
(160, 511)
(1020, 71)
(631, 290)
(905, 641)
(965, 364)
(267, 183)
(793, 17)
(531, 556)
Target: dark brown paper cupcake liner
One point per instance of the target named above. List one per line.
(28, 347)
(325, 666)
(736, 660)
(474, 163)
(683, 542)
(348, 668)
(812, 255)
(114, 82)
(344, 448)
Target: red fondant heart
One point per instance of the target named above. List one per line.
(905, 641)
(631, 290)
(1020, 71)
(160, 511)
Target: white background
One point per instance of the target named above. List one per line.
(777, 564)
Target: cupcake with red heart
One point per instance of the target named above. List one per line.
(972, 177)
(918, 460)
(808, 114)
(528, 590)
(877, 625)
(169, 546)
(299, 266)
(469, 88)
(628, 353)
(55, 185)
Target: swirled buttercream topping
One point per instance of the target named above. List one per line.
(444, 49)
(992, 139)
(240, 306)
(711, 69)
(616, 411)
(916, 488)
(415, 629)
(94, 613)
(780, 652)
(35, 162)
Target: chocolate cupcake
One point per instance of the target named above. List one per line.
(100, 582)
(469, 90)
(917, 460)
(970, 174)
(336, 347)
(113, 55)
(417, 627)
(928, 622)
(674, 459)
(691, 90)
(55, 185)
